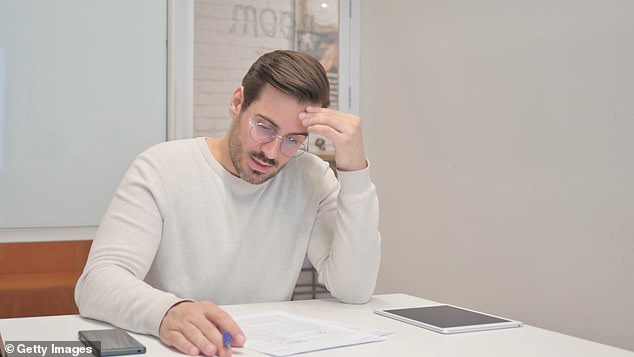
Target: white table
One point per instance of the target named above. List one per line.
(406, 340)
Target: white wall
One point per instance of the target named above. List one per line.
(502, 148)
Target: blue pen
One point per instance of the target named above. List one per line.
(226, 339)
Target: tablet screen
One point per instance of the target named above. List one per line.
(448, 319)
(446, 316)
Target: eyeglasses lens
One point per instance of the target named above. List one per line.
(263, 135)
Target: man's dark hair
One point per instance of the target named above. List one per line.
(294, 73)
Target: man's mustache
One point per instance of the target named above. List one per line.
(260, 156)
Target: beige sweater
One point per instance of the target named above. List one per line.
(180, 226)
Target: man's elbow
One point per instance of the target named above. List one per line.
(356, 299)
(79, 295)
(82, 299)
(355, 294)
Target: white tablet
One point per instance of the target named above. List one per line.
(448, 318)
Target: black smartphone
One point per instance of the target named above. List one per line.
(113, 342)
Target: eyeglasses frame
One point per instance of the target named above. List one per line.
(298, 152)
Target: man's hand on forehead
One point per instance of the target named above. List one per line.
(343, 130)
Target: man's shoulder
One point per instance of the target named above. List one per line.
(171, 145)
(309, 169)
(311, 161)
(170, 153)
(170, 149)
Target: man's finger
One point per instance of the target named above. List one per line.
(196, 337)
(178, 341)
(225, 323)
(341, 122)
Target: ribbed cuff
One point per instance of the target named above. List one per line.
(353, 182)
(158, 311)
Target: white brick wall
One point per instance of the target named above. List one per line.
(229, 37)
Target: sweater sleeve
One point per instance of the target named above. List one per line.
(111, 287)
(345, 241)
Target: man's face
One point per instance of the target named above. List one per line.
(255, 162)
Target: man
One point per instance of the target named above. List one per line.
(229, 220)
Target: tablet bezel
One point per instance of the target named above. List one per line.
(507, 323)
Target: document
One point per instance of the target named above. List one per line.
(279, 333)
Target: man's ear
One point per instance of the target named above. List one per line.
(237, 99)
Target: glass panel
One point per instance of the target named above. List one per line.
(230, 36)
(318, 35)
(82, 92)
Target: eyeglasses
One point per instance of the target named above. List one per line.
(263, 134)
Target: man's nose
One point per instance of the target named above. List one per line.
(273, 148)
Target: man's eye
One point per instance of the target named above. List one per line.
(264, 126)
(295, 141)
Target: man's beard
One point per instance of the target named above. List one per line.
(236, 154)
